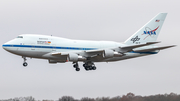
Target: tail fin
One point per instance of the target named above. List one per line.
(149, 32)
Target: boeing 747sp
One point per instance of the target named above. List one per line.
(61, 50)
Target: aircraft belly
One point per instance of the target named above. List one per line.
(34, 54)
(28, 52)
(38, 53)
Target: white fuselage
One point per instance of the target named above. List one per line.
(60, 50)
(40, 46)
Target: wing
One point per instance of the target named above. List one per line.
(128, 48)
(105, 53)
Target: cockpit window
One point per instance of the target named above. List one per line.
(20, 37)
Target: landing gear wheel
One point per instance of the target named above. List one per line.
(90, 67)
(77, 69)
(25, 64)
(75, 66)
(93, 68)
(86, 68)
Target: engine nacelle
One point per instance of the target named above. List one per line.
(74, 57)
(111, 53)
(108, 53)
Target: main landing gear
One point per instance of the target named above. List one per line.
(89, 66)
(76, 66)
(25, 63)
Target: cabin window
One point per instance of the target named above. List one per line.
(20, 37)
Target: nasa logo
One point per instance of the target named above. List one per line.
(149, 32)
(135, 39)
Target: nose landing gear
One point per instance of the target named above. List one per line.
(25, 63)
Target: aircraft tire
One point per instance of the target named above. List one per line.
(93, 68)
(25, 64)
(77, 69)
(90, 68)
(86, 68)
(74, 66)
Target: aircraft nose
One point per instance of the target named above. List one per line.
(9, 46)
(4, 46)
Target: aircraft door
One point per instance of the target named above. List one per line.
(33, 47)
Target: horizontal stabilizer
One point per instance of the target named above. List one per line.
(152, 49)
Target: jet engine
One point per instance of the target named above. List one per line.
(108, 53)
(111, 53)
(74, 57)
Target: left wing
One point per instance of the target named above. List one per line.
(129, 48)
(153, 49)
(106, 53)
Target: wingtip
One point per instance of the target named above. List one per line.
(173, 45)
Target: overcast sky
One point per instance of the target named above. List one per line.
(112, 20)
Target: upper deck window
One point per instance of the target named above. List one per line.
(20, 37)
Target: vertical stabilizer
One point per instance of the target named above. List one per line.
(149, 32)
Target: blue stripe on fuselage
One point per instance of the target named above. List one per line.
(70, 48)
(53, 47)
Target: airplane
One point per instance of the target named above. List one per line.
(61, 50)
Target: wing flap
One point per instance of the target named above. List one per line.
(59, 54)
(94, 51)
